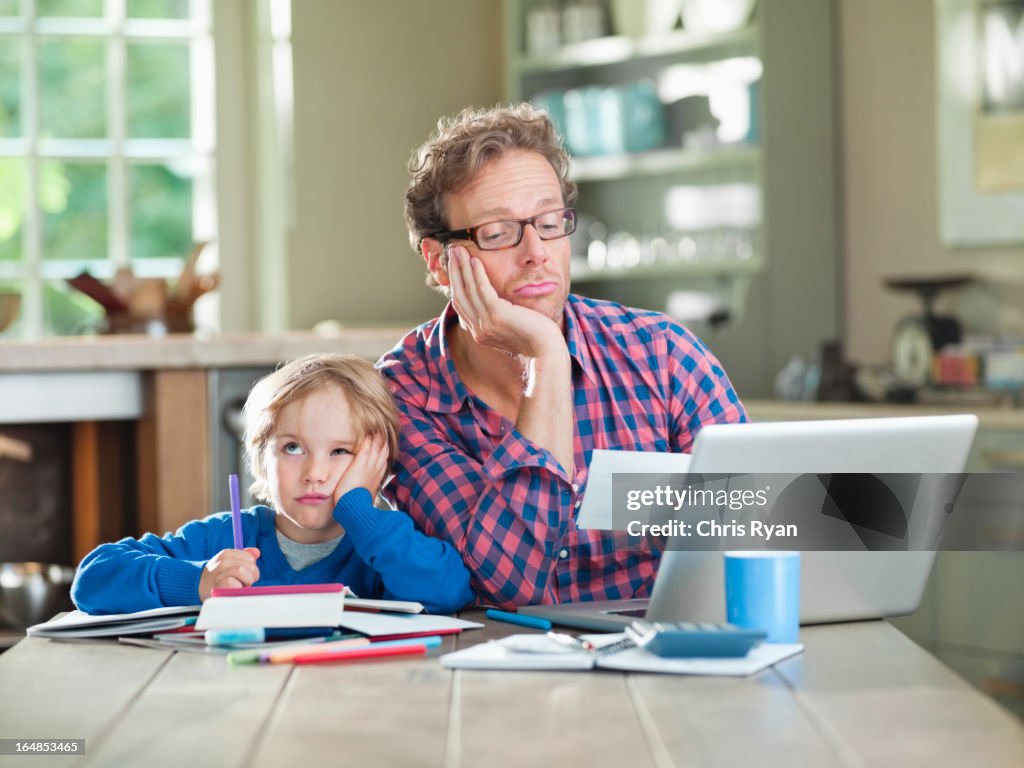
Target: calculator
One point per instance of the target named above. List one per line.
(694, 639)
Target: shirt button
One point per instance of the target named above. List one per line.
(579, 502)
(575, 488)
(563, 554)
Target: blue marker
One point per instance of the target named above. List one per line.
(430, 641)
(515, 618)
(260, 635)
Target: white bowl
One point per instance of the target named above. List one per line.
(716, 15)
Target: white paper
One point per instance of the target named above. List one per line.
(497, 654)
(596, 509)
(760, 657)
(395, 606)
(79, 624)
(308, 609)
(376, 624)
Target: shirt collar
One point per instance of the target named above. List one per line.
(576, 339)
(447, 393)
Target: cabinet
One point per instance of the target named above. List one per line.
(730, 227)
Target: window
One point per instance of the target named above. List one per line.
(107, 142)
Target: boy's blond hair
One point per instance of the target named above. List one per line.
(370, 405)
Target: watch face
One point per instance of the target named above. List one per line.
(912, 351)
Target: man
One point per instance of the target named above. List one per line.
(505, 395)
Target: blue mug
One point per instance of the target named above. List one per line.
(762, 591)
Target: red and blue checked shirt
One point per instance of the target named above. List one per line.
(640, 382)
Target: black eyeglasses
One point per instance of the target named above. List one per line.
(496, 235)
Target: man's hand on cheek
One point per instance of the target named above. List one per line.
(490, 319)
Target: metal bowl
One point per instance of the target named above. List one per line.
(31, 593)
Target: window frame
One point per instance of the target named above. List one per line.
(219, 116)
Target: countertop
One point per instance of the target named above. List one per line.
(138, 352)
(989, 417)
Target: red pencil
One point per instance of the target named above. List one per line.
(361, 652)
(407, 635)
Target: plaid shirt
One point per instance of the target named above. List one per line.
(640, 382)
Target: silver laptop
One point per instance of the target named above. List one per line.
(834, 586)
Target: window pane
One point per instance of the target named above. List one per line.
(75, 8)
(10, 306)
(161, 212)
(73, 89)
(79, 231)
(158, 91)
(158, 9)
(10, 87)
(67, 312)
(12, 207)
(10, 8)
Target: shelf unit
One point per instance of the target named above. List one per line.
(661, 162)
(644, 178)
(604, 51)
(783, 299)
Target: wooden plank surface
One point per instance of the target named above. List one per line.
(885, 701)
(605, 718)
(861, 695)
(510, 718)
(389, 712)
(197, 710)
(517, 719)
(64, 690)
(728, 721)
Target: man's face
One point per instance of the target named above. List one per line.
(535, 273)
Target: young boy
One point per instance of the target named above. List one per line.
(319, 434)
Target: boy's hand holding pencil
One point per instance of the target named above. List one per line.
(229, 568)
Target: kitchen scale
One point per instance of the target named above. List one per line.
(917, 338)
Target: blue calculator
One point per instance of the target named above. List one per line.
(694, 639)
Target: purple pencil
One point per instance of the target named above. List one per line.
(236, 511)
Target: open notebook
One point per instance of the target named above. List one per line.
(523, 652)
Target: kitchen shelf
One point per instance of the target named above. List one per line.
(795, 259)
(604, 51)
(679, 269)
(664, 161)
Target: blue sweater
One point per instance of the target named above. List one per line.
(381, 555)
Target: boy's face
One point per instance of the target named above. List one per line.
(310, 448)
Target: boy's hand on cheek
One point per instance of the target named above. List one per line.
(366, 470)
(229, 568)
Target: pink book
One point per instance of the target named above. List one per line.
(280, 589)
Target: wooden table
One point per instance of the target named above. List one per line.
(861, 695)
